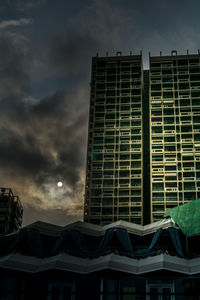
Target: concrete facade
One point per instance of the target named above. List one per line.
(143, 138)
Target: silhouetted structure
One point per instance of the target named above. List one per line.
(11, 211)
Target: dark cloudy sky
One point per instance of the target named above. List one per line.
(45, 57)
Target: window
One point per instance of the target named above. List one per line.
(161, 291)
(60, 291)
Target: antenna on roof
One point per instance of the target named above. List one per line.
(173, 53)
(118, 53)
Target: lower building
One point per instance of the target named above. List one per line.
(119, 261)
(11, 211)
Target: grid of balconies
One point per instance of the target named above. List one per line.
(174, 131)
(114, 166)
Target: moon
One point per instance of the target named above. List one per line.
(59, 184)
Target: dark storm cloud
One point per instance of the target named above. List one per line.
(23, 5)
(20, 22)
(69, 56)
(49, 130)
(14, 66)
(45, 141)
(42, 140)
(46, 48)
(21, 154)
(141, 25)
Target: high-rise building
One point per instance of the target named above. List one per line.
(144, 137)
(11, 211)
(114, 186)
(174, 131)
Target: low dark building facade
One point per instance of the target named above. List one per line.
(119, 261)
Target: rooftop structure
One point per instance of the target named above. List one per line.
(186, 217)
(11, 211)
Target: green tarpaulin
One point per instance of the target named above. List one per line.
(187, 217)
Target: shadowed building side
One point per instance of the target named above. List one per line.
(114, 183)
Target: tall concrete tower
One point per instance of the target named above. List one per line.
(144, 137)
(174, 131)
(114, 179)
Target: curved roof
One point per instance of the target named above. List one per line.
(187, 217)
(97, 230)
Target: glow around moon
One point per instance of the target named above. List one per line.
(59, 184)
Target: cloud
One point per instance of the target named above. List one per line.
(42, 140)
(42, 144)
(24, 5)
(110, 22)
(53, 216)
(14, 75)
(69, 56)
(44, 91)
(21, 22)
